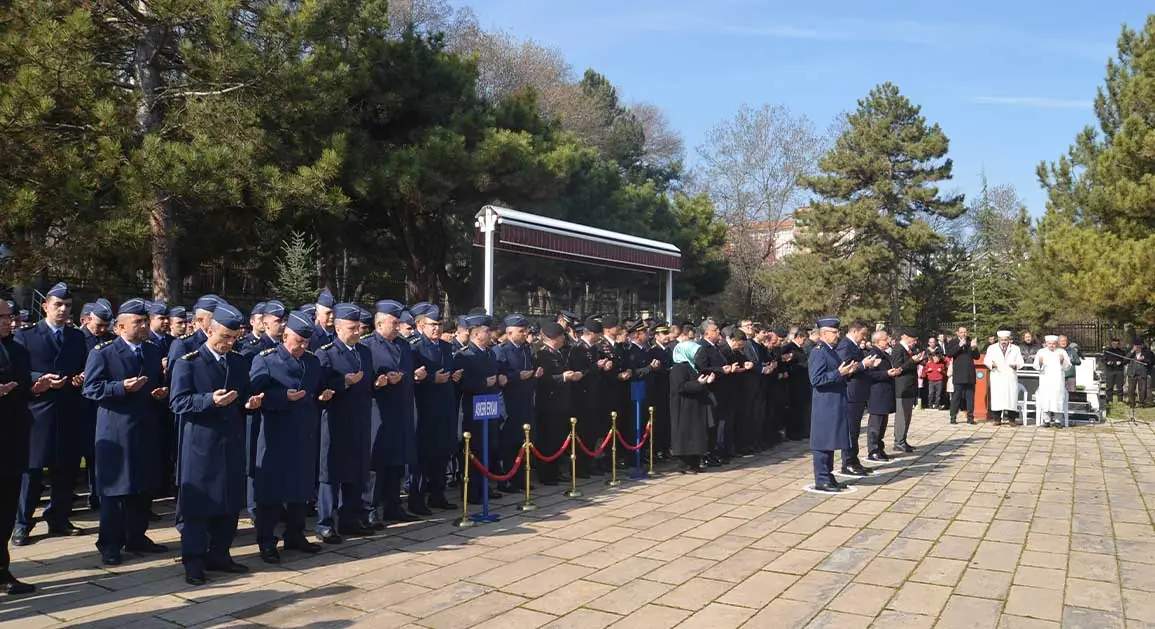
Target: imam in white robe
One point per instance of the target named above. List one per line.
(1052, 391)
(1004, 379)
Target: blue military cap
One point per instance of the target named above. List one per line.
(275, 308)
(427, 310)
(828, 322)
(477, 321)
(463, 322)
(477, 311)
(208, 303)
(569, 317)
(59, 291)
(516, 321)
(390, 307)
(325, 299)
(24, 314)
(158, 308)
(407, 317)
(346, 311)
(258, 309)
(85, 310)
(134, 306)
(104, 302)
(228, 316)
(177, 312)
(101, 311)
(308, 309)
(366, 317)
(300, 323)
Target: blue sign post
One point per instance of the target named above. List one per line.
(638, 395)
(486, 408)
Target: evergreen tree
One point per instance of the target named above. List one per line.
(876, 192)
(1097, 240)
(296, 271)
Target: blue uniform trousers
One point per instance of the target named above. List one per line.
(854, 413)
(428, 480)
(123, 522)
(383, 489)
(206, 541)
(823, 467)
(59, 507)
(338, 503)
(266, 517)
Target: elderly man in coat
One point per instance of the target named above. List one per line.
(1004, 360)
(125, 379)
(829, 430)
(284, 474)
(210, 392)
(435, 385)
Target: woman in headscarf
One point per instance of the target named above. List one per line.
(690, 408)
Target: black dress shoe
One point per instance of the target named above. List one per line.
(878, 457)
(270, 555)
(971, 422)
(414, 509)
(12, 587)
(863, 470)
(20, 538)
(495, 494)
(110, 560)
(194, 579)
(330, 537)
(855, 471)
(66, 530)
(443, 503)
(147, 546)
(304, 546)
(832, 488)
(231, 567)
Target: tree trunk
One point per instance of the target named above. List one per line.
(165, 286)
(149, 117)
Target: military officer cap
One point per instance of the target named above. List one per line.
(158, 308)
(208, 303)
(552, 330)
(133, 306)
(177, 312)
(309, 309)
(828, 322)
(662, 328)
(462, 322)
(59, 291)
(515, 321)
(593, 325)
(635, 326)
(228, 316)
(610, 321)
(258, 309)
(104, 302)
(275, 308)
(390, 307)
(366, 317)
(85, 310)
(407, 317)
(300, 323)
(477, 321)
(569, 317)
(478, 311)
(347, 312)
(101, 311)
(425, 309)
(325, 299)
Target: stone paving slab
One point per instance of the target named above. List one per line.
(981, 527)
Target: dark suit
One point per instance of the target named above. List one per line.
(59, 435)
(15, 428)
(553, 409)
(129, 452)
(882, 400)
(905, 391)
(858, 392)
(963, 367)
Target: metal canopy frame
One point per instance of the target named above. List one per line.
(504, 229)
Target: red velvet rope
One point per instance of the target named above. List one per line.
(601, 448)
(642, 442)
(555, 456)
(499, 478)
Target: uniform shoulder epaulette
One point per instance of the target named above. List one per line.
(326, 346)
(190, 355)
(151, 342)
(185, 336)
(104, 344)
(415, 339)
(233, 351)
(256, 339)
(365, 335)
(266, 352)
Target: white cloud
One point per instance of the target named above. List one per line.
(1036, 102)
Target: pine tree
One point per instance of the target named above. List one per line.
(296, 271)
(875, 196)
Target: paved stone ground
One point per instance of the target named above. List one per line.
(982, 527)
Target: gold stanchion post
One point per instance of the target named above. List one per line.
(650, 436)
(613, 481)
(528, 504)
(464, 522)
(574, 492)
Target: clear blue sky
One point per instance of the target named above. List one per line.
(1011, 82)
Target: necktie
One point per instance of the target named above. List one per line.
(58, 337)
(136, 362)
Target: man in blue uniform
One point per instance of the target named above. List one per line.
(436, 411)
(198, 334)
(829, 430)
(177, 323)
(480, 376)
(16, 389)
(291, 380)
(392, 424)
(515, 362)
(58, 438)
(250, 344)
(159, 335)
(210, 392)
(346, 439)
(125, 380)
(323, 332)
(94, 321)
(158, 328)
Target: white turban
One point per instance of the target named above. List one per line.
(1004, 334)
(1051, 338)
